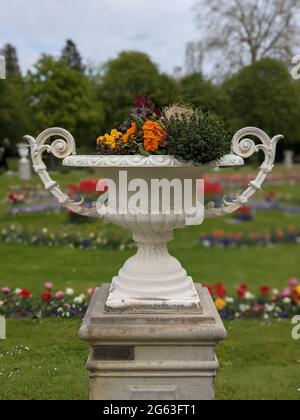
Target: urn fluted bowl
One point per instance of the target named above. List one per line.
(152, 278)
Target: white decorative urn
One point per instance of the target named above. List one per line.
(24, 163)
(152, 278)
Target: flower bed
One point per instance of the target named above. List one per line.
(29, 198)
(241, 180)
(267, 304)
(87, 190)
(21, 303)
(224, 239)
(105, 239)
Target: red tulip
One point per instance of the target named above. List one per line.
(265, 290)
(241, 293)
(46, 296)
(24, 294)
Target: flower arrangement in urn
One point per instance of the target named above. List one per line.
(178, 130)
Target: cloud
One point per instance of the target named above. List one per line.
(101, 28)
(140, 36)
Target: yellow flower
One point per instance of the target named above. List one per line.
(110, 139)
(100, 140)
(115, 133)
(220, 304)
(298, 290)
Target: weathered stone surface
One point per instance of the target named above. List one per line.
(162, 356)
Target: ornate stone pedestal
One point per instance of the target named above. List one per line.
(164, 355)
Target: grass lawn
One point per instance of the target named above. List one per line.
(258, 361)
(45, 360)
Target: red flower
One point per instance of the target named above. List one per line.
(265, 290)
(213, 188)
(221, 293)
(244, 287)
(46, 296)
(210, 288)
(295, 295)
(218, 286)
(220, 290)
(24, 294)
(241, 293)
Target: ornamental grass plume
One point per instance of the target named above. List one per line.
(177, 111)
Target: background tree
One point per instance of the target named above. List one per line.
(264, 95)
(245, 31)
(62, 96)
(15, 111)
(130, 75)
(202, 93)
(194, 55)
(71, 55)
(11, 60)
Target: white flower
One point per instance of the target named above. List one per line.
(266, 317)
(79, 300)
(17, 291)
(229, 300)
(270, 308)
(206, 243)
(275, 292)
(287, 300)
(69, 291)
(244, 308)
(1, 303)
(249, 296)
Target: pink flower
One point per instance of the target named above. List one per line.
(60, 295)
(5, 290)
(293, 282)
(285, 293)
(91, 291)
(258, 307)
(48, 286)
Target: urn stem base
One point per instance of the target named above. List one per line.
(152, 279)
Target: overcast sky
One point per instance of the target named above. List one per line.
(101, 28)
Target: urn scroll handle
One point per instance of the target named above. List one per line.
(245, 147)
(60, 148)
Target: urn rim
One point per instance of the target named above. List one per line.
(139, 161)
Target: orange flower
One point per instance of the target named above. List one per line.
(131, 132)
(154, 136)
